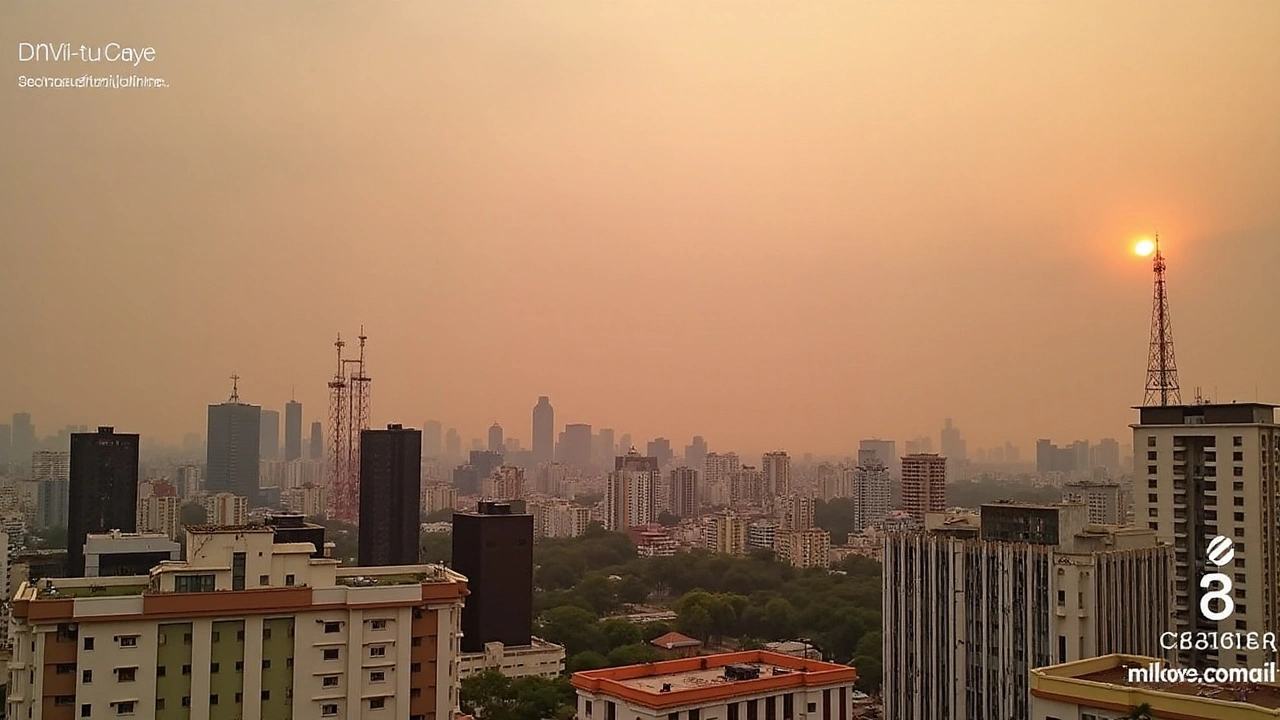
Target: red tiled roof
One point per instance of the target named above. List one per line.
(674, 640)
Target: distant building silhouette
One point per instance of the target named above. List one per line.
(432, 439)
(316, 446)
(23, 440)
(496, 443)
(695, 453)
(232, 455)
(6, 444)
(292, 430)
(575, 446)
(544, 431)
(390, 493)
(269, 426)
(103, 490)
(685, 495)
(493, 548)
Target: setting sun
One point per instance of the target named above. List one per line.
(1144, 247)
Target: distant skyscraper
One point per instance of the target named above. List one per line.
(924, 484)
(695, 453)
(316, 445)
(390, 493)
(952, 444)
(602, 453)
(575, 446)
(235, 431)
(269, 427)
(6, 443)
(660, 448)
(886, 452)
(103, 489)
(50, 465)
(52, 499)
(493, 548)
(23, 441)
(292, 430)
(544, 431)
(432, 439)
(496, 443)
(871, 491)
(776, 467)
(685, 496)
(631, 495)
(452, 444)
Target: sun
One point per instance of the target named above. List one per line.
(1144, 247)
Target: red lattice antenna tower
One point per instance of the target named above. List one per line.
(1162, 368)
(338, 432)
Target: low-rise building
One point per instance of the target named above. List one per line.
(245, 627)
(755, 684)
(1101, 688)
(538, 659)
(117, 553)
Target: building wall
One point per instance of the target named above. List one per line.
(818, 703)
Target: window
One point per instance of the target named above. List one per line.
(186, 638)
(128, 641)
(125, 708)
(266, 633)
(266, 664)
(217, 636)
(1237, 457)
(186, 669)
(377, 703)
(126, 674)
(159, 703)
(1062, 598)
(194, 583)
(1153, 512)
(240, 635)
(266, 694)
(1151, 455)
(1151, 442)
(415, 692)
(588, 708)
(1237, 441)
(239, 697)
(186, 701)
(415, 667)
(377, 676)
(416, 642)
(379, 624)
(160, 671)
(1152, 470)
(88, 643)
(288, 580)
(66, 668)
(331, 653)
(329, 709)
(86, 677)
(378, 651)
(64, 700)
(239, 666)
(1239, 516)
(215, 667)
(330, 681)
(213, 699)
(237, 571)
(86, 710)
(332, 627)
(264, 579)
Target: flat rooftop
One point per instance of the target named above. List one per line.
(1267, 696)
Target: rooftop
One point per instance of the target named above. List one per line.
(704, 679)
(1104, 683)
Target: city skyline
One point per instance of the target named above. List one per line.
(947, 235)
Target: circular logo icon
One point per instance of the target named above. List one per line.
(1222, 550)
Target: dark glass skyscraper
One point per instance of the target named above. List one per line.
(494, 548)
(103, 489)
(317, 441)
(269, 427)
(292, 430)
(390, 494)
(234, 434)
(544, 431)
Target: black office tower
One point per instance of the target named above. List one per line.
(103, 492)
(235, 434)
(390, 494)
(292, 431)
(493, 547)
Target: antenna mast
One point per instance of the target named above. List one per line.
(235, 389)
(1162, 368)
(348, 416)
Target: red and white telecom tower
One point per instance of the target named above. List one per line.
(348, 415)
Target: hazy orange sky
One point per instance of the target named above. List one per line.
(776, 224)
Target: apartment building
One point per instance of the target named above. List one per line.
(725, 533)
(732, 686)
(1207, 470)
(1105, 500)
(804, 548)
(974, 603)
(924, 484)
(245, 628)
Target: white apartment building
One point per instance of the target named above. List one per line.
(717, 470)
(775, 467)
(757, 684)
(1105, 500)
(308, 500)
(439, 496)
(245, 628)
(160, 514)
(971, 606)
(226, 509)
(871, 492)
(537, 659)
(762, 535)
(631, 494)
(558, 518)
(805, 548)
(1208, 470)
(796, 512)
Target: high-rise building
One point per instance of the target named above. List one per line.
(575, 446)
(103, 493)
(52, 498)
(452, 445)
(6, 444)
(433, 439)
(1206, 471)
(776, 467)
(189, 480)
(886, 451)
(269, 428)
(292, 430)
(695, 453)
(232, 457)
(871, 491)
(660, 448)
(315, 446)
(160, 514)
(924, 484)
(544, 431)
(493, 549)
(725, 532)
(808, 548)
(796, 512)
(631, 494)
(1104, 499)
(624, 444)
(1106, 455)
(23, 441)
(602, 451)
(226, 510)
(313, 640)
(685, 497)
(973, 604)
(50, 465)
(953, 446)
(496, 443)
(506, 482)
(390, 492)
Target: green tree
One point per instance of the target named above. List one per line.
(1141, 712)
(589, 660)
(577, 629)
(193, 514)
(631, 589)
(55, 537)
(598, 592)
(650, 631)
(435, 547)
(619, 631)
(634, 654)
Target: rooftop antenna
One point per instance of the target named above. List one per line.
(235, 389)
(1162, 368)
